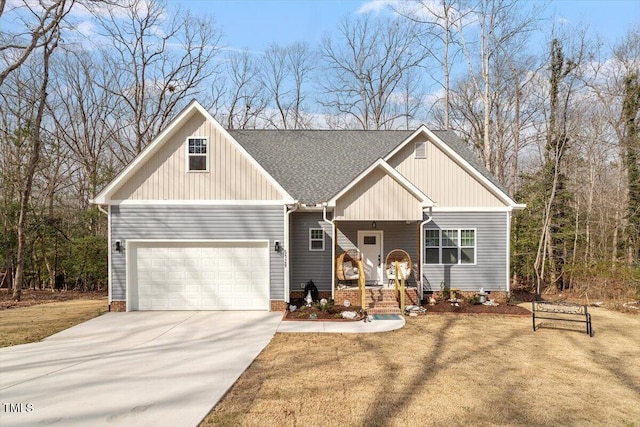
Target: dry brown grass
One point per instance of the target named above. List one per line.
(445, 370)
(29, 324)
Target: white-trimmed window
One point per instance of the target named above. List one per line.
(450, 246)
(420, 150)
(197, 155)
(432, 246)
(316, 239)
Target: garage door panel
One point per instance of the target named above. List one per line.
(200, 276)
(175, 275)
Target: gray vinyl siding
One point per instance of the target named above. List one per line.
(490, 270)
(305, 264)
(181, 222)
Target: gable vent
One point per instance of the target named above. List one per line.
(421, 150)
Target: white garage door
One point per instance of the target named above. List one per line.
(199, 276)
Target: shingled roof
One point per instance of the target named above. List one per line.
(314, 165)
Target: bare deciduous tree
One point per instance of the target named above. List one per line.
(246, 97)
(365, 64)
(498, 23)
(438, 23)
(32, 136)
(36, 22)
(159, 60)
(284, 72)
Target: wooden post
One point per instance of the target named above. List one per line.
(400, 285)
(361, 285)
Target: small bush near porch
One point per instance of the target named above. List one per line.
(445, 370)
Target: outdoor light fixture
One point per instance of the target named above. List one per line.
(276, 246)
(118, 246)
(373, 224)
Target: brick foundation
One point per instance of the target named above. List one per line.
(118, 306)
(379, 298)
(300, 294)
(278, 305)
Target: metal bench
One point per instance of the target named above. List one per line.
(561, 311)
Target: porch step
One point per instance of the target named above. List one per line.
(382, 302)
(384, 310)
(378, 300)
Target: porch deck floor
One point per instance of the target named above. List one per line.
(347, 288)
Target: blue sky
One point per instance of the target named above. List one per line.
(253, 24)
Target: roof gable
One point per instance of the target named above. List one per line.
(394, 174)
(382, 193)
(152, 175)
(456, 150)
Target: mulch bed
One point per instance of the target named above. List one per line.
(466, 308)
(334, 312)
(43, 296)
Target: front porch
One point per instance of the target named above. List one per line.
(378, 299)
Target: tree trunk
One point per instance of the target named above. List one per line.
(34, 159)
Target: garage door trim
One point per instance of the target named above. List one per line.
(133, 244)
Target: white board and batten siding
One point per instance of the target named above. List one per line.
(231, 175)
(195, 251)
(378, 197)
(442, 179)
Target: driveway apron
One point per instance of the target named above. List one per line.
(131, 369)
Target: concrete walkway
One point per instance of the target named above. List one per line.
(310, 326)
(131, 369)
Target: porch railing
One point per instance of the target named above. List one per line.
(400, 284)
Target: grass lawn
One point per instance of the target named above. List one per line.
(445, 370)
(29, 324)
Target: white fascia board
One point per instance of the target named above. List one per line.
(200, 202)
(462, 162)
(380, 163)
(104, 197)
(311, 208)
(400, 146)
(212, 241)
(472, 209)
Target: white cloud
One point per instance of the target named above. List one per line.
(377, 5)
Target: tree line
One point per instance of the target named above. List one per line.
(551, 110)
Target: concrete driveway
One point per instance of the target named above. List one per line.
(131, 369)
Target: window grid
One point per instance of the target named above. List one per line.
(197, 154)
(450, 246)
(316, 239)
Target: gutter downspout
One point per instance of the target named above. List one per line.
(333, 248)
(421, 256)
(287, 279)
(109, 299)
(508, 266)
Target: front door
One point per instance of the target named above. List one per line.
(370, 246)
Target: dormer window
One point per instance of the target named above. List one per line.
(197, 154)
(421, 150)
